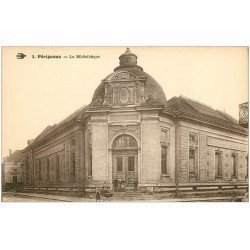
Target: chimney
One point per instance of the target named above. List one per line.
(29, 142)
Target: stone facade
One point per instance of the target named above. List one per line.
(57, 161)
(13, 169)
(129, 131)
(211, 141)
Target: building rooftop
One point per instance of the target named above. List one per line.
(49, 129)
(184, 107)
(16, 157)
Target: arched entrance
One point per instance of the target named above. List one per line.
(125, 159)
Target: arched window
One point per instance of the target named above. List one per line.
(125, 142)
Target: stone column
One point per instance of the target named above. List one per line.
(110, 167)
(99, 147)
(151, 148)
(139, 165)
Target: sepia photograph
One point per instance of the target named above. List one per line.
(125, 124)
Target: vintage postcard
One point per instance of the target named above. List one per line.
(117, 124)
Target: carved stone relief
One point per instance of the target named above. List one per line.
(124, 76)
(124, 89)
(114, 130)
(108, 97)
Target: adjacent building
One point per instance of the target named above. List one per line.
(130, 131)
(12, 169)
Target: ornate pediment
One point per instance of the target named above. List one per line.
(124, 76)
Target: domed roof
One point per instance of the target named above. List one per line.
(153, 92)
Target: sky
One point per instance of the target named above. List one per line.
(37, 92)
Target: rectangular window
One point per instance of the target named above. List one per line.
(26, 165)
(90, 162)
(131, 163)
(119, 163)
(218, 163)
(48, 168)
(57, 169)
(247, 166)
(193, 155)
(40, 170)
(193, 162)
(164, 160)
(73, 166)
(27, 172)
(89, 153)
(192, 167)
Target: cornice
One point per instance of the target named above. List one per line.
(200, 121)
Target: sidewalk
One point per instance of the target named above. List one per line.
(147, 198)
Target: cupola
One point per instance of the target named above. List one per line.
(128, 59)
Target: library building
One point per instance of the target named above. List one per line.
(130, 131)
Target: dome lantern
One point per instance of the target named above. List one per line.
(128, 59)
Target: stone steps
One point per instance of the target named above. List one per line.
(128, 194)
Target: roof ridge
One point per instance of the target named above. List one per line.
(183, 99)
(219, 114)
(71, 114)
(188, 98)
(42, 135)
(229, 117)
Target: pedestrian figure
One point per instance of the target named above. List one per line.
(98, 195)
(103, 190)
(135, 184)
(115, 183)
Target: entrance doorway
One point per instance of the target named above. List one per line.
(125, 159)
